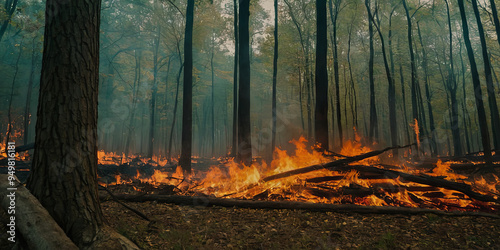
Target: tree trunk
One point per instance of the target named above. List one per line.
(174, 115)
(333, 16)
(187, 95)
(414, 104)
(244, 133)
(393, 127)
(490, 89)
(154, 90)
(321, 79)
(373, 134)
(483, 126)
(135, 87)
(433, 145)
(234, 150)
(64, 172)
(275, 73)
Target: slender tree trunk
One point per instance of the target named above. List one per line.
(64, 172)
(154, 90)
(414, 103)
(213, 93)
(176, 102)
(244, 132)
(483, 126)
(354, 106)
(433, 145)
(403, 95)
(135, 87)
(490, 88)
(393, 126)
(275, 73)
(373, 134)
(234, 150)
(321, 109)
(187, 95)
(333, 17)
(300, 100)
(464, 103)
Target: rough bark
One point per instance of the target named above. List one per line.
(234, 151)
(63, 176)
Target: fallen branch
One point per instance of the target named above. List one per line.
(125, 205)
(319, 207)
(329, 165)
(32, 220)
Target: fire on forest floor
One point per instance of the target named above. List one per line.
(225, 178)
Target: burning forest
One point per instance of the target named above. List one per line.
(217, 115)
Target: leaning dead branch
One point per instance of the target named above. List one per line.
(140, 214)
(319, 207)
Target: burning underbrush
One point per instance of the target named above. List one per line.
(356, 175)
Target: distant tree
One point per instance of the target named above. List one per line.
(244, 134)
(490, 88)
(373, 132)
(187, 95)
(234, 150)
(334, 14)
(321, 109)
(275, 73)
(483, 126)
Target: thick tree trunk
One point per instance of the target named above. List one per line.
(483, 126)
(63, 176)
(187, 94)
(244, 132)
(321, 109)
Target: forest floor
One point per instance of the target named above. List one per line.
(189, 227)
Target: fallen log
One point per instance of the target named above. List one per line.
(422, 179)
(35, 224)
(319, 207)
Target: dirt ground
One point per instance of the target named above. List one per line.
(188, 227)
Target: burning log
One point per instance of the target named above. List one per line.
(330, 165)
(35, 224)
(319, 207)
